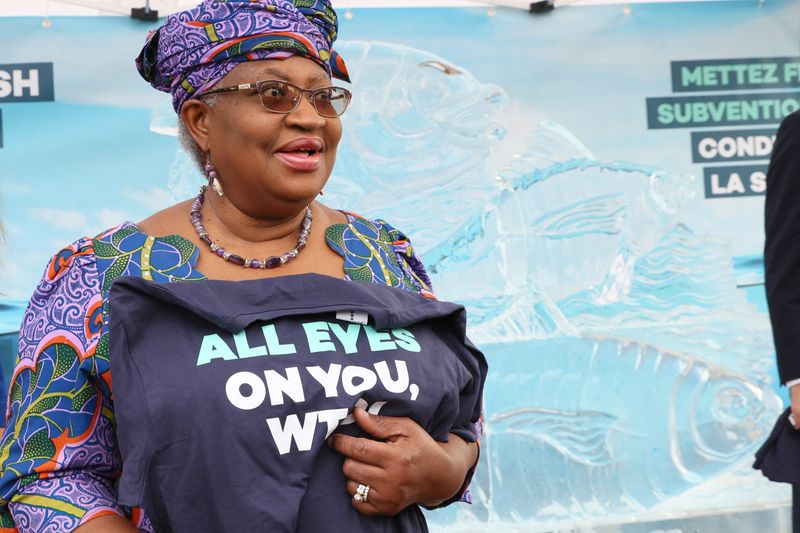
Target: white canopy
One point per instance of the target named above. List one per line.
(123, 7)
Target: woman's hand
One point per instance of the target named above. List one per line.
(405, 467)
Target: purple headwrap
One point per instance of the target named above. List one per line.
(194, 49)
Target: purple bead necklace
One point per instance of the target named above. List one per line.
(270, 262)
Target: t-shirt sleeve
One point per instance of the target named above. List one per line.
(471, 429)
(133, 423)
(58, 453)
(469, 375)
(459, 412)
(469, 422)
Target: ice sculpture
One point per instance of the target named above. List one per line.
(625, 366)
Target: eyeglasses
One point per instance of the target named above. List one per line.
(284, 97)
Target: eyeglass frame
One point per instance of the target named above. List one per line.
(303, 92)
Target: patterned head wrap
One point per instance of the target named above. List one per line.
(196, 48)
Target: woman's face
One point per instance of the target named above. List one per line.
(271, 165)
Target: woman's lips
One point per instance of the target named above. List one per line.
(302, 161)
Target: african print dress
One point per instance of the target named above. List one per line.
(59, 454)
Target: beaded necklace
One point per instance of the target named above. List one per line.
(273, 261)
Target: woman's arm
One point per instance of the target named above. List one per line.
(405, 467)
(58, 452)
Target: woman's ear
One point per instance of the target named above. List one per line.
(195, 114)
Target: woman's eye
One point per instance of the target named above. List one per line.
(274, 91)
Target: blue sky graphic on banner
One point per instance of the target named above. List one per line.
(589, 183)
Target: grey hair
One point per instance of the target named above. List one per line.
(187, 141)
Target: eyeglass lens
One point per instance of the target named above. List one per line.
(283, 97)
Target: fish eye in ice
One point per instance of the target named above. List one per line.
(733, 404)
(430, 89)
(728, 416)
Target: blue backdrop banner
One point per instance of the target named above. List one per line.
(588, 183)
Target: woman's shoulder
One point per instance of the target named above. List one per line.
(77, 277)
(77, 255)
(129, 250)
(124, 249)
(377, 227)
(74, 267)
(376, 251)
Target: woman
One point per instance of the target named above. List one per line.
(258, 219)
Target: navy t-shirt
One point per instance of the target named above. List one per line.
(225, 392)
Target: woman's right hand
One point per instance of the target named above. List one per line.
(405, 466)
